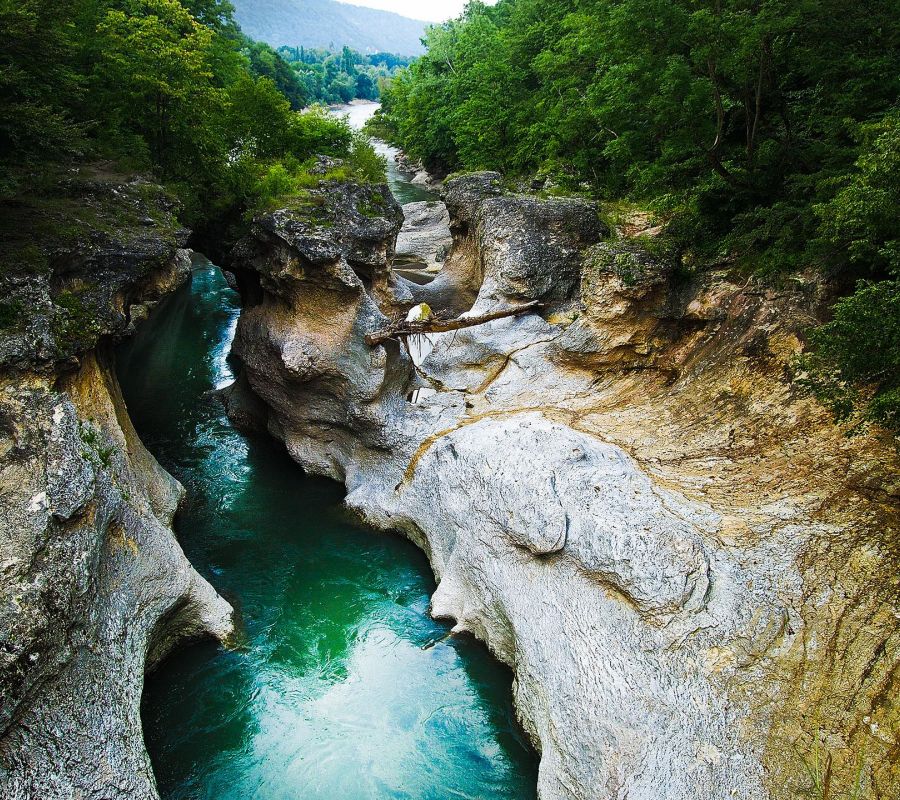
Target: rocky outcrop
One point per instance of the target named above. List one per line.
(425, 239)
(509, 248)
(418, 173)
(94, 588)
(623, 495)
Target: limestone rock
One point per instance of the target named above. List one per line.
(425, 238)
(628, 309)
(304, 350)
(509, 249)
(419, 175)
(624, 498)
(531, 249)
(99, 262)
(94, 588)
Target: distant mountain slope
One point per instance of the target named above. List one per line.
(326, 23)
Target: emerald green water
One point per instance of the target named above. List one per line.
(345, 688)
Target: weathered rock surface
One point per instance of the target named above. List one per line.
(94, 588)
(623, 496)
(425, 239)
(510, 249)
(419, 174)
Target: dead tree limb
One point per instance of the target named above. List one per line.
(402, 329)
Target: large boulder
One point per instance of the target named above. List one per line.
(531, 249)
(509, 249)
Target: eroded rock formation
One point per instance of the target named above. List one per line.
(94, 588)
(690, 570)
(425, 239)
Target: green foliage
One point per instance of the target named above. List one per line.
(318, 132)
(97, 451)
(259, 117)
(37, 64)
(153, 79)
(766, 133)
(859, 224)
(266, 63)
(736, 117)
(267, 185)
(854, 366)
(217, 14)
(74, 326)
(168, 86)
(328, 77)
(367, 165)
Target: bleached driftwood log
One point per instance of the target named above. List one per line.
(432, 325)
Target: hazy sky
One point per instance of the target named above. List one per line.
(434, 10)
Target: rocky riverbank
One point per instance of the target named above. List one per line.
(419, 174)
(691, 571)
(94, 588)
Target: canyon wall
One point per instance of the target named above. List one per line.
(690, 569)
(94, 588)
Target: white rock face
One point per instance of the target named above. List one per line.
(640, 607)
(94, 587)
(425, 238)
(598, 588)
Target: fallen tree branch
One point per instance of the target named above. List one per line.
(403, 329)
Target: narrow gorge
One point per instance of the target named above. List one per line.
(339, 681)
(619, 492)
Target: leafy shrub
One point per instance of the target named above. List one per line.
(283, 182)
(854, 364)
(365, 163)
(317, 132)
(859, 225)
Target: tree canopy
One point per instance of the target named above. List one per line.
(339, 77)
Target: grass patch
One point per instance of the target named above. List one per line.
(74, 326)
(97, 452)
(823, 786)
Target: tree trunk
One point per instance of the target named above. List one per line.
(403, 329)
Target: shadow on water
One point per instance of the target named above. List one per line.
(345, 688)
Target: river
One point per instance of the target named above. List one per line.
(343, 688)
(357, 114)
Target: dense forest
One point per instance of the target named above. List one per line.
(329, 77)
(163, 86)
(765, 134)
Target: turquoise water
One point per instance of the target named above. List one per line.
(344, 688)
